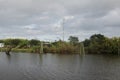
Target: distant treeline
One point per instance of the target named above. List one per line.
(99, 44)
(96, 44)
(20, 43)
(34, 46)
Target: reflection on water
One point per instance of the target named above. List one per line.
(23, 66)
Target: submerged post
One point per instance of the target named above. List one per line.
(41, 47)
(8, 50)
(82, 50)
(118, 48)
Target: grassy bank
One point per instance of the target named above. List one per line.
(59, 47)
(17, 50)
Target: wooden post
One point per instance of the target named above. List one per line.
(82, 50)
(118, 47)
(41, 47)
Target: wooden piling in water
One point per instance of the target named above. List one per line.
(8, 50)
(82, 50)
(41, 48)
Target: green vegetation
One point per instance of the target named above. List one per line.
(34, 46)
(96, 44)
(99, 44)
(61, 47)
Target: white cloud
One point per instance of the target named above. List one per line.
(68, 17)
(30, 27)
(38, 18)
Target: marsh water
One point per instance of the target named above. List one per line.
(26, 66)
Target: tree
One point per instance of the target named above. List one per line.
(34, 42)
(23, 44)
(86, 42)
(99, 44)
(95, 43)
(12, 42)
(1, 41)
(15, 42)
(99, 38)
(73, 40)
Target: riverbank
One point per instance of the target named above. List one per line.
(17, 50)
(50, 50)
(96, 44)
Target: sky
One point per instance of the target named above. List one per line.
(45, 19)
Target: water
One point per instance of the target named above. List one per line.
(23, 66)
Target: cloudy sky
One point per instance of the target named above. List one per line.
(43, 19)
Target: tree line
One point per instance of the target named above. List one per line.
(34, 45)
(96, 44)
(99, 44)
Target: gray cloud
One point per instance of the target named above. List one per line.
(43, 19)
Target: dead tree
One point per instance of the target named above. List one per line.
(8, 50)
